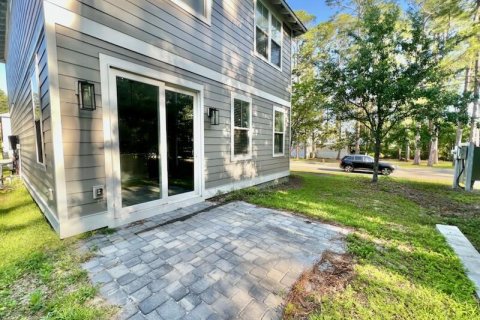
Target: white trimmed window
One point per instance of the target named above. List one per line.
(241, 127)
(278, 132)
(268, 35)
(199, 8)
(37, 114)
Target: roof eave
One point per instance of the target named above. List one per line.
(289, 16)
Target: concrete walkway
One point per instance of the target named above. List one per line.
(235, 261)
(465, 251)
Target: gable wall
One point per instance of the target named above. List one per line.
(27, 37)
(225, 47)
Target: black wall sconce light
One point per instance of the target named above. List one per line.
(214, 116)
(86, 95)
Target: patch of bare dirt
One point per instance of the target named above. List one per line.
(294, 182)
(435, 203)
(331, 274)
(21, 292)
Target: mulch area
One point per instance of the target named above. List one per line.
(329, 275)
(437, 204)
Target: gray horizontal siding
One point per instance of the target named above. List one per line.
(26, 37)
(226, 46)
(78, 58)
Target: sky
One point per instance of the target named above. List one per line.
(3, 81)
(315, 7)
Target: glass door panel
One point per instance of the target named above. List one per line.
(180, 148)
(138, 129)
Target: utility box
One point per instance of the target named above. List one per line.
(467, 166)
(5, 131)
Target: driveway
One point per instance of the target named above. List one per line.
(235, 261)
(424, 173)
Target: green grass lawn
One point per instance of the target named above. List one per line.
(405, 269)
(40, 275)
(423, 164)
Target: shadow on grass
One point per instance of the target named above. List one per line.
(22, 226)
(8, 209)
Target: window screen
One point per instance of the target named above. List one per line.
(241, 121)
(268, 35)
(198, 6)
(279, 132)
(261, 20)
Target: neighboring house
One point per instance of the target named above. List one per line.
(128, 109)
(5, 131)
(326, 151)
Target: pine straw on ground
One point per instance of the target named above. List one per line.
(331, 274)
(436, 203)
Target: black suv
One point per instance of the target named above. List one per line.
(359, 162)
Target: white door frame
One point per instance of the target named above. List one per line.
(111, 67)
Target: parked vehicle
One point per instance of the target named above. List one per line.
(351, 163)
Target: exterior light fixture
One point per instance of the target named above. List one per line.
(86, 95)
(214, 116)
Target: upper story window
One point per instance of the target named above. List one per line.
(268, 35)
(199, 8)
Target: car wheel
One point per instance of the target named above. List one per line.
(386, 171)
(348, 169)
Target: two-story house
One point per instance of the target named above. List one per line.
(125, 109)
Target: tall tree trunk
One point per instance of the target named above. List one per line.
(433, 154)
(357, 138)
(314, 146)
(339, 131)
(473, 121)
(430, 143)
(378, 141)
(459, 133)
(416, 157)
(407, 151)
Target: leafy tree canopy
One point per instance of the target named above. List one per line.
(390, 65)
(3, 102)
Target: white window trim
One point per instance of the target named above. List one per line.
(208, 10)
(281, 110)
(270, 14)
(109, 66)
(232, 128)
(37, 76)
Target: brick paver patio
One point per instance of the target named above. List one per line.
(236, 261)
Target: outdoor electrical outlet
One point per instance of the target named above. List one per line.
(98, 192)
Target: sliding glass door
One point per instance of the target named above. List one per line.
(153, 141)
(138, 131)
(179, 111)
